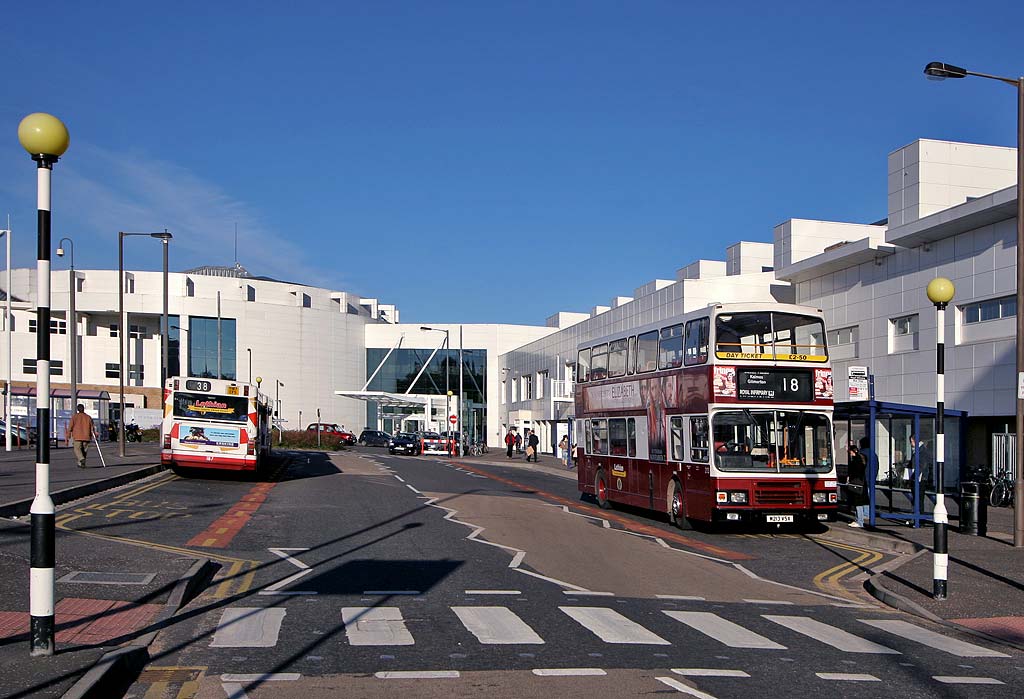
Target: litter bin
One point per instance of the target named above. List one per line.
(973, 510)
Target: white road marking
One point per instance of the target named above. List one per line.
(909, 631)
(767, 601)
(685, 598)
(685, 689)
(949, 679)
(417, 675)
(494, 592)
(248, 627)
(399, 478)
(385, 593)
(611, 627)
(304, 570)
(265, 677)
(413, 489)
(570, 672)
(847, 677)
(234, 690)
(496, 625)
(587, 593)
(707, 672)
(723, 630)
(375, 626)
(829, 635)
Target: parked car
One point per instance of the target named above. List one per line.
(405, 442)
(332, 429)
(374, 438)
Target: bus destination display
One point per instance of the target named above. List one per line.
(774, 385)
(200, 386)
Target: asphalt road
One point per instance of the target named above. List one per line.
(368, 575)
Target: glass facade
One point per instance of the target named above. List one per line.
(202, 347)
(173, 346)
(403, 365)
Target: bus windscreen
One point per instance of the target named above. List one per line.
(767, 335)
(203, 406)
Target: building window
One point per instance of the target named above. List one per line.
(903, 334)
(136, 371)
(250, 292)
(28, 366)
(542, 378)
(113, 329)
(992, 309)
(842, 342)
(57, 327)
(205, 354)
(136, 332)
(527, 387)
(113, 370)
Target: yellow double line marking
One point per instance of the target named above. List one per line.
(830, 580)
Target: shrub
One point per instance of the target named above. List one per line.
(305, 439)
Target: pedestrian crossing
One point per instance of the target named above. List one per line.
(384, 626)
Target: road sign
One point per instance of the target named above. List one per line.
(858, 379)
(452, 419)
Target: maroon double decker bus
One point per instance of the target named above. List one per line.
(720, 415)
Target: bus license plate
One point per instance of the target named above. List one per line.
(232, 390)
(778, 518)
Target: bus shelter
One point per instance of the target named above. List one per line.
(23, 409)
(900, 438)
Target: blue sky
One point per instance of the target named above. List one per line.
(481, 161)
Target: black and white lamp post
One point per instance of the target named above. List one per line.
(940, 292)
(45, 138)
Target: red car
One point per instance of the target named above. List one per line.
(331, 429)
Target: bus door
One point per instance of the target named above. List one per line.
(689, 437)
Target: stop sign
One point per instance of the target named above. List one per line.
(452, 419)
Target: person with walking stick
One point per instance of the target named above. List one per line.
(81, 431)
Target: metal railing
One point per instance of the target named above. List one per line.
(561, 390)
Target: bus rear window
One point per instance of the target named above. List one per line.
(203, 406)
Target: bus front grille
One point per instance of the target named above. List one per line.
(778, 494)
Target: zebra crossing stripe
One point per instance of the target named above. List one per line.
(496, 625)
(723, 630)
(909, 631)
(707, 672)
(375, 626)
(611, 627)
(829, 635)
(847, 677)
(684, 689)
(248, 627)
(950, 679)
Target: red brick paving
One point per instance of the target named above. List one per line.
(83, 621)
(1010, 628)
(219, 534)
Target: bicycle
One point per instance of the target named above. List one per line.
(1000, 492)
(477, 449)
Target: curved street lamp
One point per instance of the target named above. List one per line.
(72, 318)
(45, 138)
(937, 70)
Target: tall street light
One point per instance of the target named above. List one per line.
(72, 319)
(7, 331)
(45, 138)
(122, 330)
(940, 71)
(940, 292)
(447, 393)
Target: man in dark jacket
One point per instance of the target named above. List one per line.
(533, 442)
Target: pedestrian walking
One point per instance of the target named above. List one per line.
(531, 446)
(81, 430)
(510, 442)
(863, 469)
(519, 443)
(563, 450)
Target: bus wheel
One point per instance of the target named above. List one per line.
(677, 507)
(601, 490)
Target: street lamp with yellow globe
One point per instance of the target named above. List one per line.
(45, 138)
(940, 292)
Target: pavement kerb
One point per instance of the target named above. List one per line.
(20, 508)
(104, 678)
(876, 589)
(881, 542)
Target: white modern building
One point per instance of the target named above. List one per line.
(951, 212)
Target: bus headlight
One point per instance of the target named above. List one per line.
(736, 497)
(820, 496)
